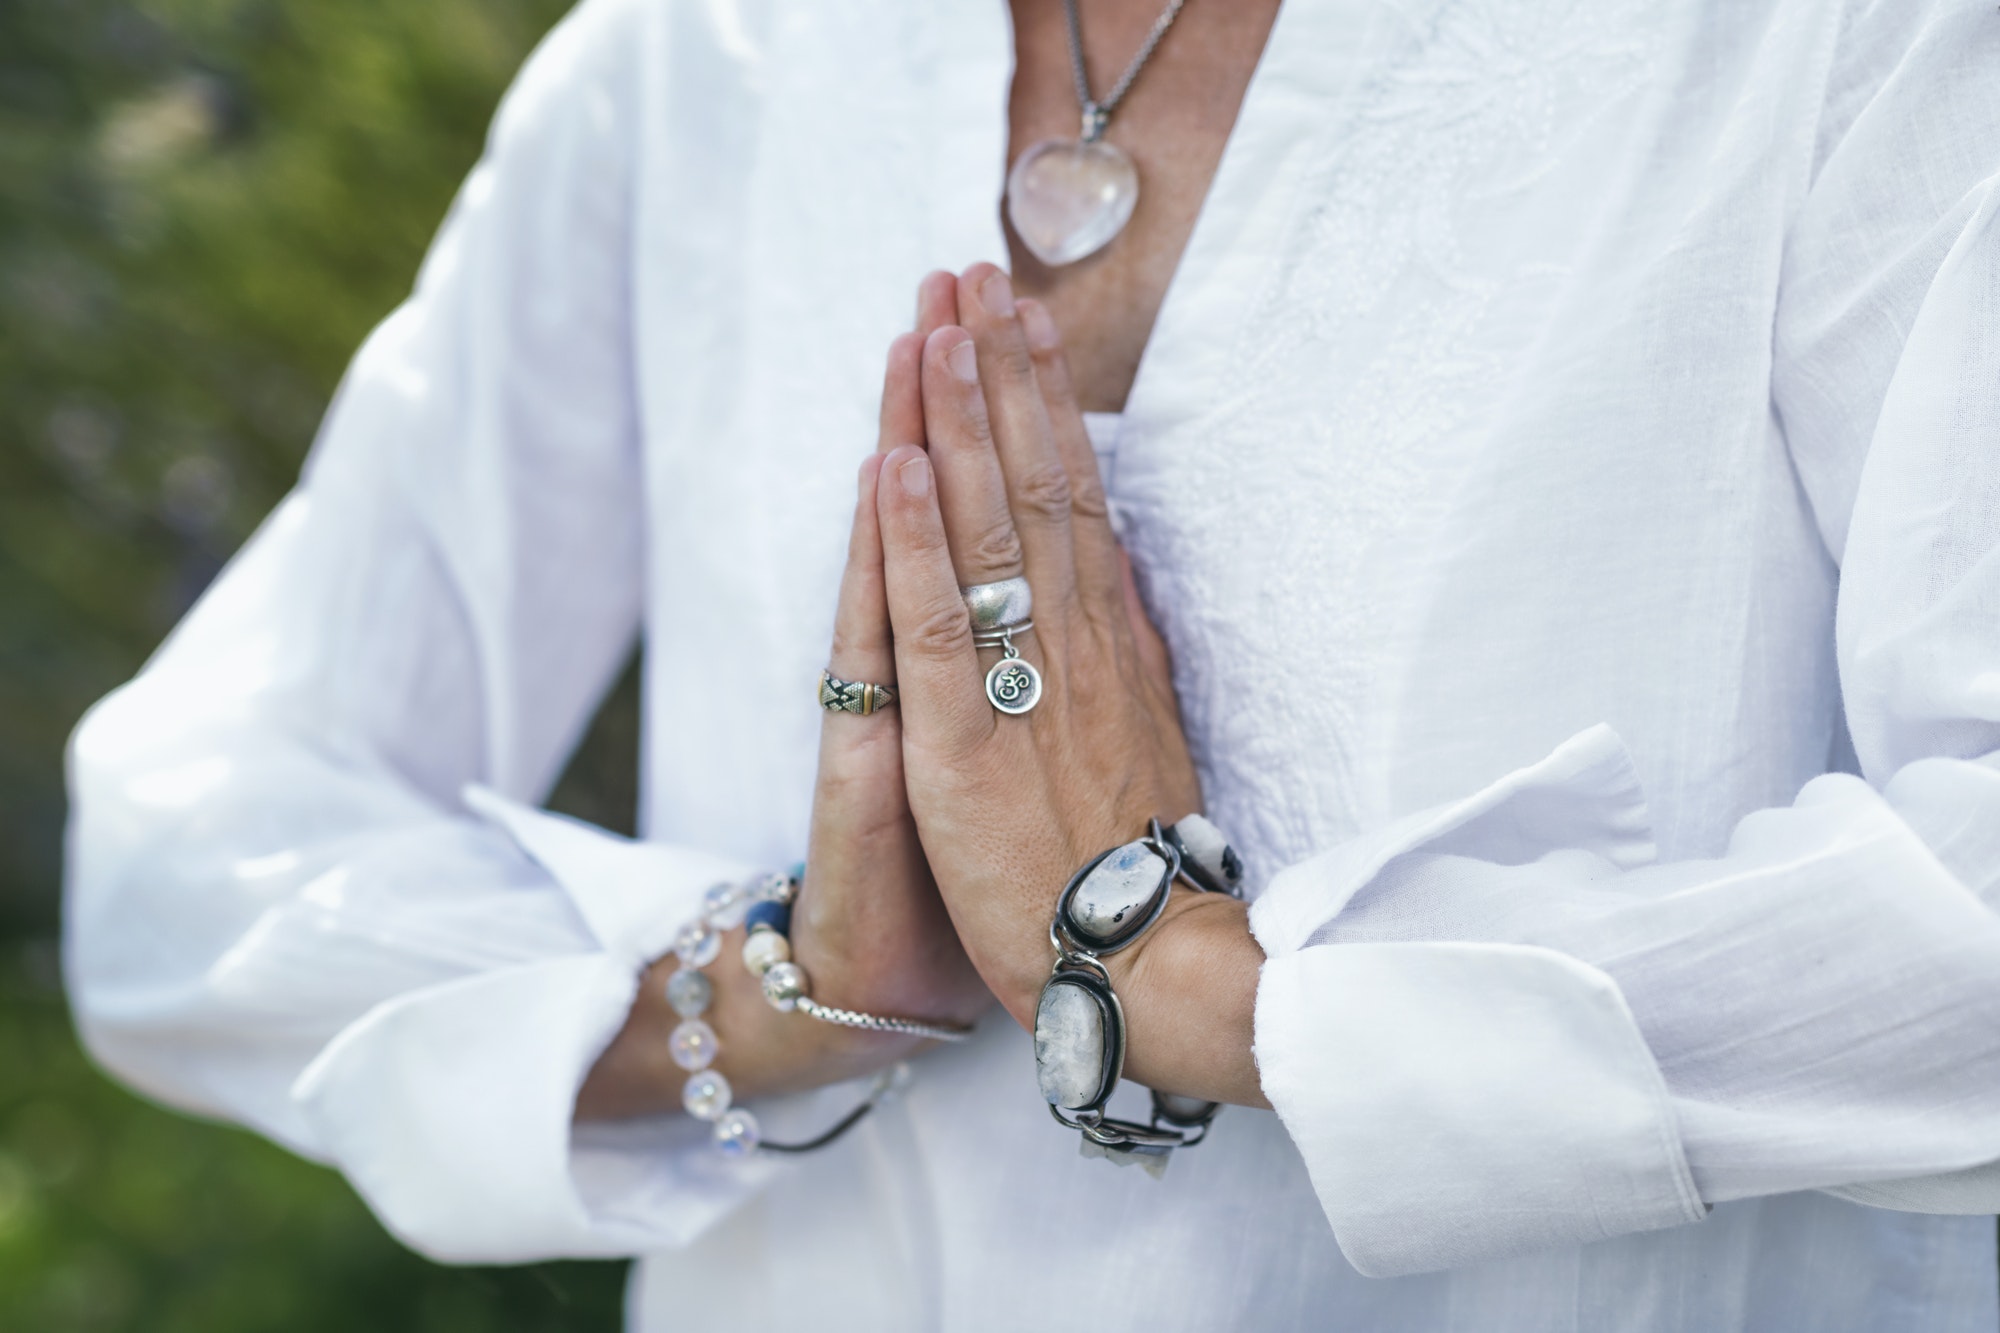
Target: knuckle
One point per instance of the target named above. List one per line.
(1044, 492)
(942, 631)
(848, 644)
(1013, 360)
(1087, 499)
(1052, 371)
(999, 547)
(977, 423)
(922, 541)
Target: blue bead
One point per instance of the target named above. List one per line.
(778, 916)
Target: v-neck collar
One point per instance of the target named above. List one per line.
(1310, 63)
(1309, 71)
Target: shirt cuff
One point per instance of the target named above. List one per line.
(1962, 1193)
(1456, 1103)
(450, 1108)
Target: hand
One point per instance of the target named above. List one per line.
(868, 927)
(1009, 807)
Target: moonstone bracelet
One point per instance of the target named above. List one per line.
(1079, 1023)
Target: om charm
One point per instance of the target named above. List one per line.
(1013, 685)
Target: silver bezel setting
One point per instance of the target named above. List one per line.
(1090, 979)
(1074, 938)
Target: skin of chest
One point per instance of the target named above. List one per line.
(1174, 122)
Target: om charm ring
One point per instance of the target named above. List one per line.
(853, 696)
(997, 606)
(999, 611)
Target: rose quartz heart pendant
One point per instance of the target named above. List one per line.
(1067, 197)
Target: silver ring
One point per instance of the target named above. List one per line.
(859, 697)
(996, 605)
(1002, 637)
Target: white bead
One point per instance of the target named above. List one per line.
(784, 983)
(706, 1096)
(765, 949)
(737, 1133)
(698, 944)
(693, 1045)
(690, 993)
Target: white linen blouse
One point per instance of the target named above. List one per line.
(1567, 471)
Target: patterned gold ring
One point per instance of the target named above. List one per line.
(859, 697)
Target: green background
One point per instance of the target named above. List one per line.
(204, 206)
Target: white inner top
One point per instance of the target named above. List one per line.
(1103, 429)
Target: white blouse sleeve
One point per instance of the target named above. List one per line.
(282, 907)
(1502, 1024)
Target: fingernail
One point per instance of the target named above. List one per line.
(997, 294)
(865, 479)
(915, 476)
(928, 278)
(1037, 324)
(964, 362)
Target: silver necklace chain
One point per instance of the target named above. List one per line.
(1096, 115)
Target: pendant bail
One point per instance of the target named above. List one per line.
(1095, 118)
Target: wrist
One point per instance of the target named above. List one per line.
(1156, 922)
(1188, 988)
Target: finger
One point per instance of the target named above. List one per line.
(1147, 641)
(861, 645)
(937, 671)
(972, 492)
(1100, 586)
(1037, 482)
(937, 302)
(902, 418)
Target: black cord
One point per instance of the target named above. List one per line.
(852, 1119)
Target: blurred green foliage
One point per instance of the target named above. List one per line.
(204, 206)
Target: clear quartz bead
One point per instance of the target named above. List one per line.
(693, 1045)
(706, 1095)
(737, 1133)
(690, 992)
(698, 944)
(772, 888)
(724, 905)
(764, 950)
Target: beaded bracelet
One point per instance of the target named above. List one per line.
(767, 952)
(766, 904)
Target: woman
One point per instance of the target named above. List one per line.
(1560, 469)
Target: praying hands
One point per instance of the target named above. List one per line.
(944, 828)
(1009, 807)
